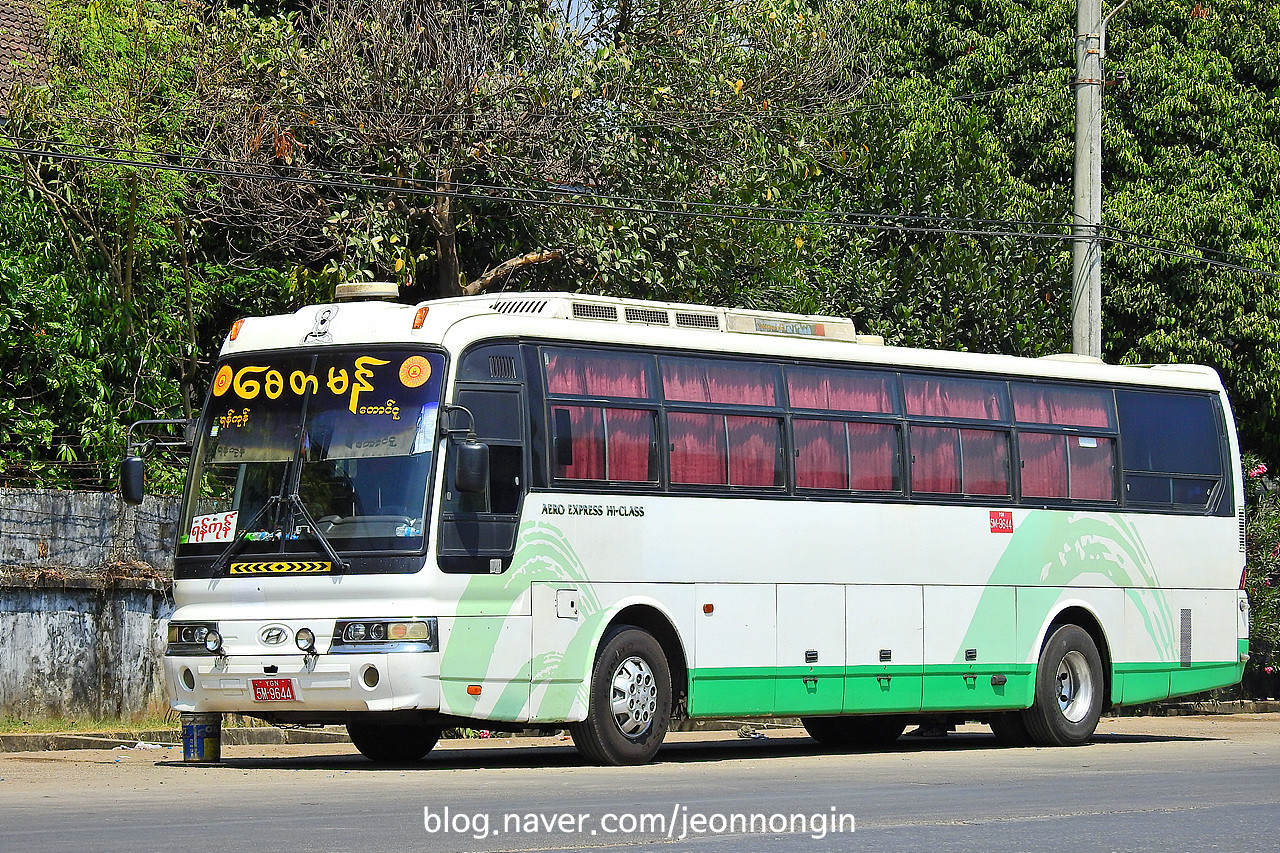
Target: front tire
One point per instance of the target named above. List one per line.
(393, 744)
(629, 706)
(1069, 686)
(854, 732)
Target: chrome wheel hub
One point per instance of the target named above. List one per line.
(1075, 686)
(634, 697)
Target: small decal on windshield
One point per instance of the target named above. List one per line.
(415, 371)
(219, 527)
(223, 380)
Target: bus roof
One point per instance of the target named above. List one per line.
(455, 323)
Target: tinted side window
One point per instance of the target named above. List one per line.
(1170, 447)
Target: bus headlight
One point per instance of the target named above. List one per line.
(193, 638)
(385, 635)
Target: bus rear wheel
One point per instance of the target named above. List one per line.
(1069, 686)
(393, 744)
(629, 705)
(847, 732)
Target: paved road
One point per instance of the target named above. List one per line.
(1158, 784)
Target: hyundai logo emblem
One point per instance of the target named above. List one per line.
(273, 635)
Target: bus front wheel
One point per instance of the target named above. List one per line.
(629, 706)
(393, 744)
(1069, 685)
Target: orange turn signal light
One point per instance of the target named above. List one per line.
(708, 608)
(420, 317)
(235, 328)
(473, 689)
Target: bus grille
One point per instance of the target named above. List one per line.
(502, 367)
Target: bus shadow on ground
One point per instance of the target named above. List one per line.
(561, 755)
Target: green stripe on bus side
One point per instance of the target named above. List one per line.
(1150, 682)
(754, 691)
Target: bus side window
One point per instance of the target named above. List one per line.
(498, 417)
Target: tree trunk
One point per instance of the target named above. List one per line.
(449, 270)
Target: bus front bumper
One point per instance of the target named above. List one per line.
(269, 684)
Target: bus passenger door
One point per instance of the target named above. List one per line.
(810, 649)
(478, 531)
(885, 638)
(970, 646)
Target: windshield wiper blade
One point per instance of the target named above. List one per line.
(314, 529)
(294, 501)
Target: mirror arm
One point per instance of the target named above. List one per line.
(148, 443)
(459, 434)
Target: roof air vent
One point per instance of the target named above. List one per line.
(690, 320)
(520, 306)
(652, 316)
(592, 311)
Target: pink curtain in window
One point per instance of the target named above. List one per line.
(1092, 468)
(872, 450)
(588, 444)
(754, 451)
(697, 380)
(838, 390)
(952, 398)
(1044, 465)
(986, 461)
(934, 466)
(697, 448)
(596, 374)
(822, 457)
(1062, 406)
(631, 437)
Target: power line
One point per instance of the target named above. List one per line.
(565, 198)
(622, 203)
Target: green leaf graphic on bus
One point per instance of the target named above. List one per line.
(542, 555)
(1075, 550)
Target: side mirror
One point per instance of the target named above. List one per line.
(132, 480)
(472, 466)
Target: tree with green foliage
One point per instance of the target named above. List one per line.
(104, 299)
(473, 113)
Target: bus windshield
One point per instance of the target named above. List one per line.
(351, 433)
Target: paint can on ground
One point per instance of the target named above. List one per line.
(201, 737)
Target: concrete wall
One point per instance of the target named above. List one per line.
(81, 646)
(85, 597)
(46, 528)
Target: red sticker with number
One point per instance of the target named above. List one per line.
(1001, 521)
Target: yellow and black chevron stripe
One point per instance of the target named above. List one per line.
(281, 568)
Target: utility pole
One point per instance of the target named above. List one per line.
(1086, 248)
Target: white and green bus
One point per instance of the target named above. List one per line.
(560, 511)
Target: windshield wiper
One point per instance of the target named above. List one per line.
(295, 502)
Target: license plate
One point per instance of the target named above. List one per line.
(273, 690)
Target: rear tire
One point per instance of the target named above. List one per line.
(1069, 686)
(393, 744)
(629, 707)
(855, 732)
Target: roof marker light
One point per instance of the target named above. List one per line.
(235, 328)
(420, 317)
